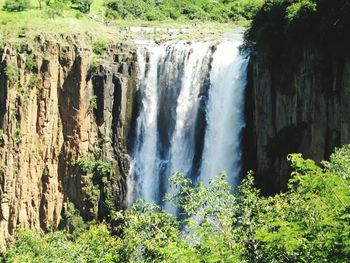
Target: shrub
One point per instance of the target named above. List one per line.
(99, 47)
(93, 102)
(2, 142)
(93, 67)
(33, 81)
(31, 64)
(16, 5)
(284, 26)
(97, 168)
(81, 5)
(182, 9)
(12, 73)
(308, 223)
(56, 7)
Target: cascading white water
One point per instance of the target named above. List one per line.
(146, 147)
(225, 116)
(190, 116)
(182, 144)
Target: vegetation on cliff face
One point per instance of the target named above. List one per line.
(308, 223)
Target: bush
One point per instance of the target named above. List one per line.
(16, 5)
(283, 26)
(308, 223)
(93, 245)
(99, 47)
(31, 64)
(81, 5)
(12, 73)
(93, 67)
(33, 81)
(182, 9)
(56, 7)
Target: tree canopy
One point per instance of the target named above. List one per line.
(308, 223)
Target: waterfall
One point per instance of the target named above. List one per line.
(225, 116)
(190, 115)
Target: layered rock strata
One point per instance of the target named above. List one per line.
(53, 112)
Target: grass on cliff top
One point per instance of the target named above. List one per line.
(23, 27)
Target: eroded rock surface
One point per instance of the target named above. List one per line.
(295, 106)
(47, 122)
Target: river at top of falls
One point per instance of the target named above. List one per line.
(191, 115)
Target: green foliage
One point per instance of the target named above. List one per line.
(311, 220)
(182, 9)
(340, 162)
(93, 66)
(75, 222)
(12, 73)
(16, 5)
(81, 5)
(245, 9)
(31, 64)
(99, 176)
(56, 7)
(282, 25)
(93, 245)
(299, 9)
(99, 169)
(18, 136)
(2, 142)
(23, 95)
(148, 234)
(99, 47)
(308, 223)
(93, 102)
(33, 81)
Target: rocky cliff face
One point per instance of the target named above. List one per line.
(298, 105)
(51, 114)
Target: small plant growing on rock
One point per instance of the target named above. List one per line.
(12, 73)
(99, 47)
(93, 102)
(97, 168)
(33, 81)
(18, 136)
(2, 142)
(97, 183)
(93, 67)
(31, 65)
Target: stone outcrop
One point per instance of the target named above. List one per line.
(47, 122)
(296, 105)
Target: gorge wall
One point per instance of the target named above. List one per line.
(51, 114)
(295, 104)
(54, 111)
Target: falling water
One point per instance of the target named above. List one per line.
(225, 117)
(190, 117)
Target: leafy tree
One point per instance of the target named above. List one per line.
(282, 26)
(308, 223)
(16, 5)
(182, 9)
(81, 5)
(311, 221)
(56, 7)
